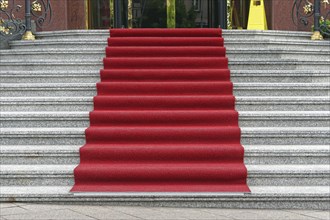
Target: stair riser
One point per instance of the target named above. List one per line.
(273, 66)
(57, 92)
(84, 122)
(50, 123)
(283, 141)
(266, 56)
(77, 37)
(74, 159)
(309, 203)
(78, 66)
(50, 140)
(284, 122)
(62, 45)
(287, 159)
(39, 159)
(236, 78)
(280, 46)
(80, 140)
(256, 180)
(232, 36)
(52, 92)
(234, 65)
(232, 56)
(95, 77)
(61, 56)
(229, 44)
(68, 106)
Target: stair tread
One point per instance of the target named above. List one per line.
(84, 114)
(78, 62)
(252, 169)
(308, 72)
(101, 51)
(5, 86)
(256, 192)
(228, 41)
(239, 99)
(249, 149)
(251, 130)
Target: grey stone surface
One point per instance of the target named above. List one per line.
(233, 54)
(283, 103)
(284, 118)
(89, 89)
(53, 53)
(246, 119)
(259, 214)
(268, 97)
(100, 43)
(232, 34)
(285, 136)
(280, 76)
(250, 136)
(237, 76)
(287, 154)
(31, 65)
(129, 212)
(281, 89)
(251, 103)
(258, 175)
(50, 214)
(319, 215)
(254, 154)
(278, 65)
(293, 197)
(48, 89)
(104, 213)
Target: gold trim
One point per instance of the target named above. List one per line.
(28, 36)
(112, 13)
(130, 14)
(317, 36)
(170, 13)
(86, 14)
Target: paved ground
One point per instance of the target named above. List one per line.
(80, 212)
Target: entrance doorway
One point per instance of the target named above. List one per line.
(238, 14)
(155, 13)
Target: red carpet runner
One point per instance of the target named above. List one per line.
(164, 117)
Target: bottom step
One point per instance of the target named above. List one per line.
(270, 197)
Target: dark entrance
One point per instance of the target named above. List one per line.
(155, 13)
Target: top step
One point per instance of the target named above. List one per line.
(166, 32)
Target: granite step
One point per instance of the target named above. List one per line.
(254, 154)
(280, 76)
(55, 76)
(71, 65)
(237, 76)
(232, 34)
(267, 197)
(89, 89)
(230, 43)
(97, 54)
(258, 175)
(253, 103)
(250, 136)
(246, 119)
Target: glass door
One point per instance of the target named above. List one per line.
(239, 11)
(99, 14)
(174, 13)
(157, 13)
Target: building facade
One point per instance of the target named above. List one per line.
(102, 14)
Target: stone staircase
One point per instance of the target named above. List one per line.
(281, 82)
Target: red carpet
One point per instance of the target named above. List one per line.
(164, 117)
